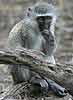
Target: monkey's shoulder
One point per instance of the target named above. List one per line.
(29, 23)
(26, 27)
(29, 27)
(17, 27)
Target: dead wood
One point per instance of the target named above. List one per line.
(62, 74)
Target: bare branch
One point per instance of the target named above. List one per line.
(61, 74)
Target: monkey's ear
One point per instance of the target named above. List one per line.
(29, 10)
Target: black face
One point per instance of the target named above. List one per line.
(44, 22)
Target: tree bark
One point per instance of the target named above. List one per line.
(20, 91)
(60, 73)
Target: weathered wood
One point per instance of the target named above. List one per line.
(62, 74)
(23, 92)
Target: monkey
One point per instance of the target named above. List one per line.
(35, 31)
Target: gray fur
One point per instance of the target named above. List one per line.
(27, 35)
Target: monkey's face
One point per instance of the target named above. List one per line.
(44, 22)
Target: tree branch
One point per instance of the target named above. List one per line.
(62, 74)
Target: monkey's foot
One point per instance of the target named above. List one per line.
(56, 88)
(45, 86)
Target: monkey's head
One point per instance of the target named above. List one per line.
(44, 22)
(45, 15)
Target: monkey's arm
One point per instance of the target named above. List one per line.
(49, 44)
(15, 37)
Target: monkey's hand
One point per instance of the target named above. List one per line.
(45, 34)
(44, 85)
(49, 44)
(48, 36)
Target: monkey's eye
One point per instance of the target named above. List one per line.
(48, 17)
(44, 19)
(40, 19)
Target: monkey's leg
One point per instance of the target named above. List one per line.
(19, 73)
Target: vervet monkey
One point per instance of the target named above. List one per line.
(36, 31)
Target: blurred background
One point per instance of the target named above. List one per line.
(12, 11)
